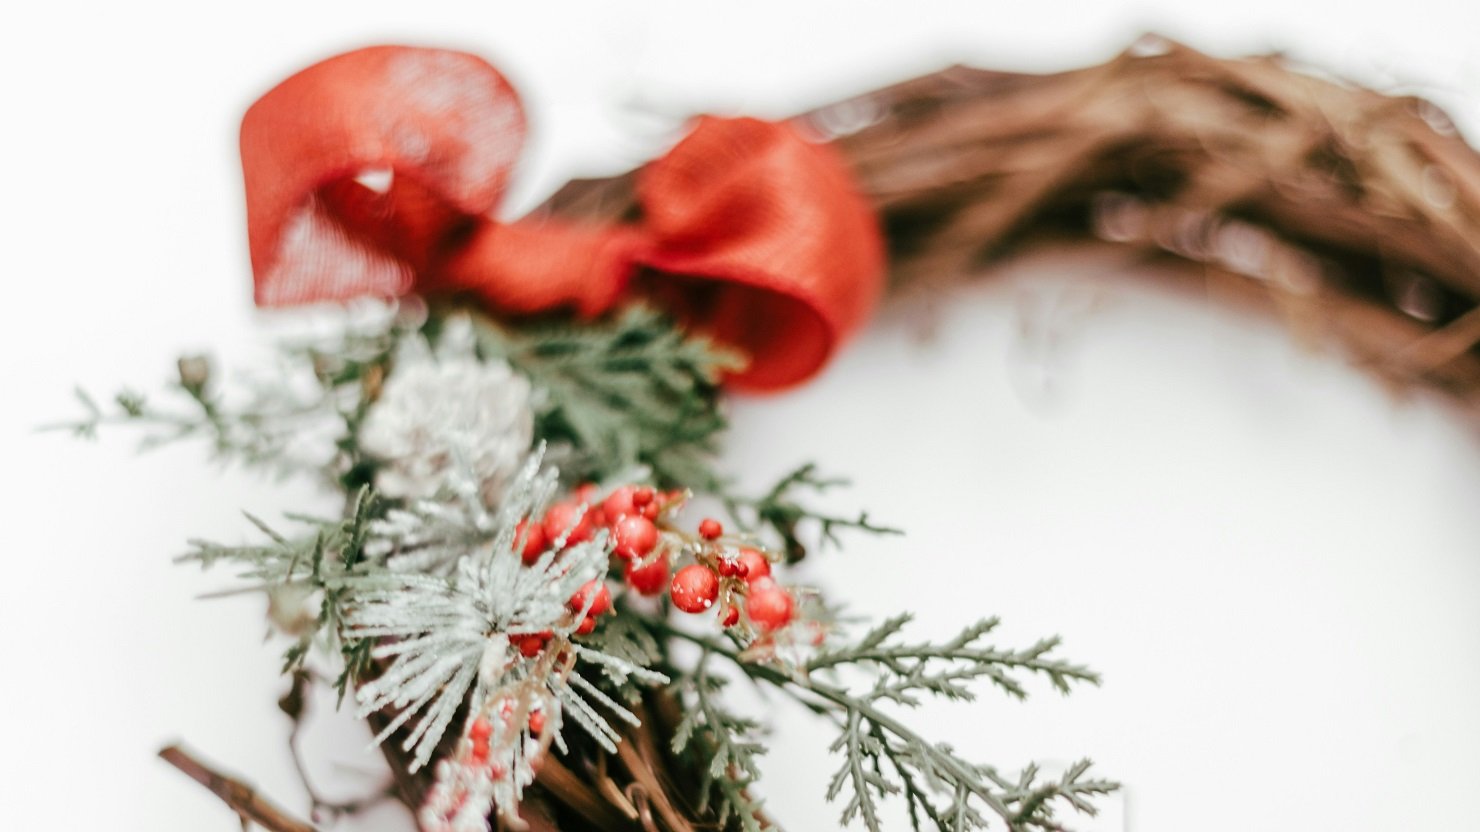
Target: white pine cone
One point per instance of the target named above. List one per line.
(439, 417)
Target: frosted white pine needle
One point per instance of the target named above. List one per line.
(447, 638)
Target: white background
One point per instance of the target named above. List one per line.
(1272, 560)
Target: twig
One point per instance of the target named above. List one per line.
(295, 704)
(574, 792)
(243, 799)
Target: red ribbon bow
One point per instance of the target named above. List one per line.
(749, 232)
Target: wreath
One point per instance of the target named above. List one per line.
(541, 583)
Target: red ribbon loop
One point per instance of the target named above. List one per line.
(374, 173)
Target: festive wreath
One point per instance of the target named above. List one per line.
(518, 596)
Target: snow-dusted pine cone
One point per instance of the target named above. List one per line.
(446, 411)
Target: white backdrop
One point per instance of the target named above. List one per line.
(1273, 561)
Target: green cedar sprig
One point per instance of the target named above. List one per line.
(630, 390)
(884, 757)
(944, 670)
(780, 510)
(724, 747)
(311, 565)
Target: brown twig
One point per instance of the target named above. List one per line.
(243, 799)
(583, 799)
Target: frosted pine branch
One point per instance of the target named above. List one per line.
(449, 637)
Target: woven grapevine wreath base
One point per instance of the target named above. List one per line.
(1354, 215)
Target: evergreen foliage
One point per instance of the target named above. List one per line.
(418, 602)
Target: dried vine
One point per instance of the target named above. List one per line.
(1355, 214)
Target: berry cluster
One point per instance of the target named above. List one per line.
(469, 780)
(734, 577)
(723, 572)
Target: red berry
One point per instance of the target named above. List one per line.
(480, 751)
(694, 588)
(480, 730)
(731, 567)
(819, 634)
(755, 564)
(732, 617)
(620, 503)
(562, 516)
(710, 528)
(642, 496)
(588, 625)
(649, 577)
(651, 511)
(534, 541)
(770, 606)
(530, 646)
(537, 722)
(600, 606)
(586, 493)
(634, 536)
